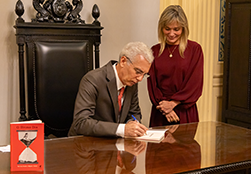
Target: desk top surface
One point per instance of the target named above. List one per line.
(186, 147)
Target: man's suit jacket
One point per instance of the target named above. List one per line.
(96, 106)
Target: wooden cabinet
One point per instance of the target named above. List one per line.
(237, 64)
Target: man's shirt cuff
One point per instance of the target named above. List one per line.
(121, 130)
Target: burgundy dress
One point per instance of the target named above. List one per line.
(176, 78)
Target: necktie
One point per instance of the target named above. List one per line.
(119, 159)
(120, 97)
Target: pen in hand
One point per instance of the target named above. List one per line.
(135, 119)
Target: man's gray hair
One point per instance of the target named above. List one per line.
(132, 49)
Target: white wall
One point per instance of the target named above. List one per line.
(123, 22)
(126, 21)
(8, 70)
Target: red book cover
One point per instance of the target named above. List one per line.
(27, 146)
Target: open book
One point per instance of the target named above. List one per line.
(152, 135)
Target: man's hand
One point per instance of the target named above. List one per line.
(135, 129)
(172, 117)
(134, 147)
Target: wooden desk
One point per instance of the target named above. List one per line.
(208, 147)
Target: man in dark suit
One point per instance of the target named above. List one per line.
(97, 111)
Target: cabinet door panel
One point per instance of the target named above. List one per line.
(237, 74)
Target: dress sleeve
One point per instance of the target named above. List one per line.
(191, 87)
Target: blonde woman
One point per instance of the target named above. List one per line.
(176, 74)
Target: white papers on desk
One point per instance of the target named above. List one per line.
(152, 135)
(5, 148)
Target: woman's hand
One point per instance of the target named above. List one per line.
(172, 128)
(167, 106)
(172, 117)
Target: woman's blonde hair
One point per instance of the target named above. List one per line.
(173, 13)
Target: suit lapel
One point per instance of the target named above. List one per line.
(114, 98)
(112, 88)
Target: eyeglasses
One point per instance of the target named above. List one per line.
(138, 71)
